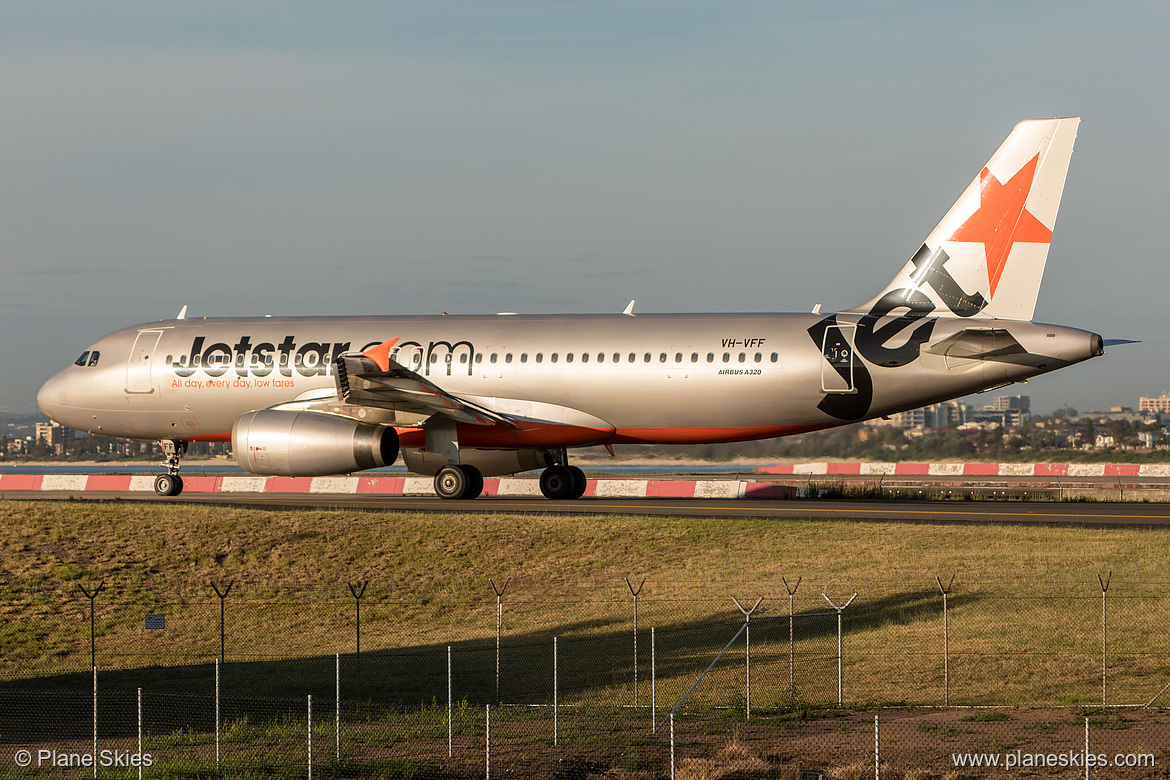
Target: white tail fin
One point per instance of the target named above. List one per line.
(987, 255)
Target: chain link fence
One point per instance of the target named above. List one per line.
(557, 682)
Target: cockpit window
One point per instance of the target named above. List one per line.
(88, 359)
(81, 360)
(93, 357)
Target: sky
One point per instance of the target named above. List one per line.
(294, 157)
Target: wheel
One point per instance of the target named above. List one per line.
(557, 482)
(465, 482)
(474, 482)
(580, 482)
(168, 484)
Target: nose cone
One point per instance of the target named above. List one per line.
(50, 396)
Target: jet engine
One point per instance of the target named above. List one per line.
(308, 444)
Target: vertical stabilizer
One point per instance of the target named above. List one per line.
(986, 257)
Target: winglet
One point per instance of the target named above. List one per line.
(629, 310)
(381, 354)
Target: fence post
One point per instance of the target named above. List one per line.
(337, 704)
(1104, 627)
(95, 751)
(217, 766)
(357, 599)
(635, 593)
(450, 705)
(747, 620)
(499, 625)
(222, 596)
(946, 637)
(310, 730)
(92, 624)
(488, 742)
(556, 730)
(672, 746)
(140, 733)
(1086, 747)
(840, 645)
(791, 637)
(877, 749)
(653, 684)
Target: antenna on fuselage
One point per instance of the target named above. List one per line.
(629, 310)
(182, 313)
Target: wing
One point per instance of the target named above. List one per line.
(374, 379)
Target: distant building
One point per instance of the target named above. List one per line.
(1160, 405)
(1005, 403)
(949, 414)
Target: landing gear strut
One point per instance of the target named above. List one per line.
(171, 484)
(560, 480)
(463, 482)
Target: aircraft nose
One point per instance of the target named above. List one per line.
(52, 396)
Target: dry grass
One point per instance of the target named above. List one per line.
(1024, 619)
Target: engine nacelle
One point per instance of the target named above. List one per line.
(308, 444)
(489, 462)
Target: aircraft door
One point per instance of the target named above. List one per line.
(837, 347)
(138, 379)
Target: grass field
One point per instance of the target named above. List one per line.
(1024, 611)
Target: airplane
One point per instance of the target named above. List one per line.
(463, 397)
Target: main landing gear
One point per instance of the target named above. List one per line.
(171, 484)
(560, 480)
(460, 481)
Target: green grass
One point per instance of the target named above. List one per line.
(1024, 611)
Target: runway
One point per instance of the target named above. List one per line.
(1087, 514)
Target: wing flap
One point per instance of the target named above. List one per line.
(375, 379)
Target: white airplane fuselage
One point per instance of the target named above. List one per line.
(612, 378)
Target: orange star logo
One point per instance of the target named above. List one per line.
(1001, 220)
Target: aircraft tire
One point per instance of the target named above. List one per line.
(474, 482)
(557, 482)
(451, 482)
(580, 482)
(168, 484)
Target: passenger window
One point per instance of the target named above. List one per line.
(508, 358)
(81, 360)
(539, 357)
(694, 357)
(631, 357)
(618, 358)
(726, 357)
(742, 356)
(600, 357)
(93, 357)
(478, 357)
(646, 358)
(710, 357)
(759, 357)
(493, 357)
(523, 357)
(554, 357)
(775, 357)
(434, 358)
(584, 357)
(462, 357)
(569, 358)
(678, 357)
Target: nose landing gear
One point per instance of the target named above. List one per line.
(171, 484)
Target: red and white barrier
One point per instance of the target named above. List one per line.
(393, 486)
(973, 469)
